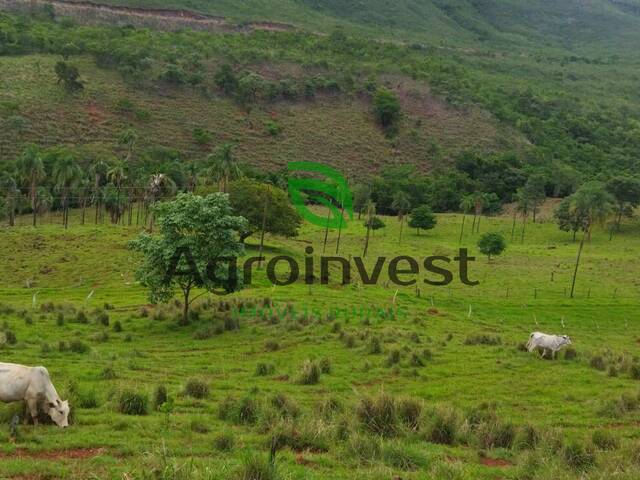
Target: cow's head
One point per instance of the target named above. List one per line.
(59, 412)
(567, 340)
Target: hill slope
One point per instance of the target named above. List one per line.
(594, 24)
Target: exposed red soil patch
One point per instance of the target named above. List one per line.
(73, 454)
(495, 462)
(95, 113)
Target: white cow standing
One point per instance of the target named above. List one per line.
(33, 385)
(547, 342)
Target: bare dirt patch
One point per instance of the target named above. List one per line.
(495, 462)
(73, 454)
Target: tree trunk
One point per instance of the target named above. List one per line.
(264, 226)
(575, 272)
(185, 307)
(473, 225)
(84, 209)
(478, 225)
(513, 227)
(524, 224)
(401, 225)
(340, 229)
(464, 218)
(366, 240)
(326, 232)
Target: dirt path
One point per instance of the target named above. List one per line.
(163, 19)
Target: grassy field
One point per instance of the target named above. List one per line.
(451, 348)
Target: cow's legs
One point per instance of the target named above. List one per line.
(27, 413)
(32, 406)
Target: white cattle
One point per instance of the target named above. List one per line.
(547, 342)
(33, 386)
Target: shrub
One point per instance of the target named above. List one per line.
(45, 348)
(375, 347)
(285, 405)
(570, 353)
(117, 326)
(399, 456)
(409, 412)
(442, 427)
(160, 396)
(378, 414)
(62, 346)
(224, 442)
(271, 346)
(598, 363)
(496, 434)
(88, 399)
(393, 358)
(196, 389)
(527, 437)
(309, 373)
(103, 319)
(264, 369)
(579, 457)
(364, 448)
(242, 412)
(482, 340)
(604, 440)
(257, 467)
(272, 128)
(634, 371)
(329, 406)
(81, 317)
(325, 365)
(199, 427)
(132, 403)
(60, 319)
(10, 337)
(108, 373)
(76, 346)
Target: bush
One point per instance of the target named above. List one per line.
(598, 363)
(284, 405)
(634, 371)
(103, 319)
(579, 457)
(604, 440)
(570, 353)
(241, 412)
(442, 427)
(76, 346)
(264, 369)
(409, 412)
(81, 317)
(257, 467)
(224, 442)
(271, 346)
(378, 414)
(60, 319)
(399, 456)
(196, 389)
(393, 358)
(482, 340)
(375, 347)
(160, 396)
(309, 373)
(496, 434)
(88, 399)
(117, 326)
(108, 373)
(10, 337)
(132, 403)
(199, 427)
(325, 366)
(527, 437)
(364, 448)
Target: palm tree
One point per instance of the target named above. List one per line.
(117, 175)
(9, 187)
(466, 205)
(44, 200)
(224, 167)
(370, 211)
(479, 201)
(31, 170)
(402, 204)
(128, 138)
(596, 204)
(99, 172)
(66, 174)
(84, 194)
(159, 186)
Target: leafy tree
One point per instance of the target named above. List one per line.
(266, 208)
(31, 171)
(224, 167)
(251, 88)
(534, 190)
(523, 206)
(626, 191)
(570, 219)
(66, 175)
(173, 74)
(69, 76)
(44, 200)
(422, 218)
(69, 49)
(402, 204)
(387, 109)
(492, 244)
(99, 173)
(361, 195)
(196, 242)
(115, 202)
(374, 223)
(226, 79)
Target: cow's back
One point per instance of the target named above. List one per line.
(14, 382)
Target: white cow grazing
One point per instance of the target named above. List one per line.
(33, 385)
(547, 342)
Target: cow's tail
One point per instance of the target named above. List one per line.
(530, 343)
